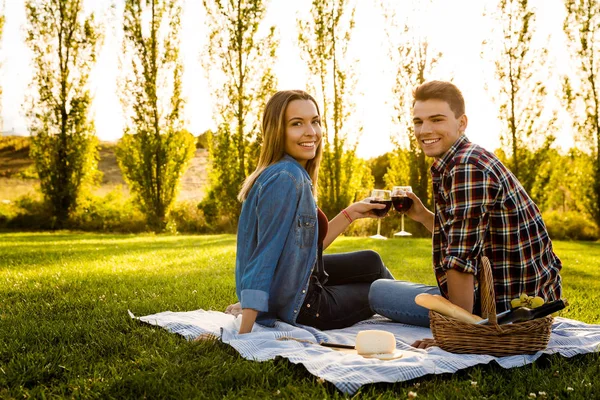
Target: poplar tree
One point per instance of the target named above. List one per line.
(324, 40)
(582, 92)
(1, 31)
(64, 43)
(414, 61)
(239, 59)
(155, 149)
(520, 71)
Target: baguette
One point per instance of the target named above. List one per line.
(446, 307)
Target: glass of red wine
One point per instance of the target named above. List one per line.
(402, 204)
(380, 197)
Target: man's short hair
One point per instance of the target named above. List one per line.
(440, 90)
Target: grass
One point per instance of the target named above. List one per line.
(65, 332)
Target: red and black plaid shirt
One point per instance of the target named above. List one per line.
(482, 209)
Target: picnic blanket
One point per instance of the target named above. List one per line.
(347, 371)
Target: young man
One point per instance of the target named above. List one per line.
(480, 209)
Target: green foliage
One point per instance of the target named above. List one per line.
(239, 59)
(581, 94)
(570, 225)
(324, 42)
(155, 150)
(529, 125)
(416, 62)
(109, 213)
(379, 166)
(14, 143)
(188, 218)
(2, 20)
(568, 187)
(63, 144)
(65, 330)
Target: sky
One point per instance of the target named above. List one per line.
(457, 28)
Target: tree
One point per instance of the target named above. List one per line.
(414, 61)
(520, 72)
(582, 26)
(64, 43)
(568, 188)
(324, 42)
(1, 31)
(239, 60)
(155, 150)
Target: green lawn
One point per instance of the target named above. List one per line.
(65, 332)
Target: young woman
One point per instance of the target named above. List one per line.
(280, 270)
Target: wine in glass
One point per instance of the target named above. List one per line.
(380, 197)
(402, 204)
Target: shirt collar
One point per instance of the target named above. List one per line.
(441, 163)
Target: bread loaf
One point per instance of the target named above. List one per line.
(446, 307)
(375, 342)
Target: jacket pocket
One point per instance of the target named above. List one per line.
(305, 230)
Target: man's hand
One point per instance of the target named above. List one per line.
(418, 212)
(234, 309)
(423, 344)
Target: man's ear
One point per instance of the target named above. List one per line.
(463, 121)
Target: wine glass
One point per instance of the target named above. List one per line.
(380, 197)
(402, 204)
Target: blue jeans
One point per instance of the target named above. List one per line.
(396, 300)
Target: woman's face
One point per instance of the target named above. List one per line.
(302, 130)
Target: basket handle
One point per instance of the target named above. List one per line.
(486, 291)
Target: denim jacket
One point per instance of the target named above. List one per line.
(276, 242)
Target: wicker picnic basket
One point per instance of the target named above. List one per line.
(497, 340)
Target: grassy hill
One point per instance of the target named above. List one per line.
(16, 168)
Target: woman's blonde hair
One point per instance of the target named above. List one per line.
(273, 131)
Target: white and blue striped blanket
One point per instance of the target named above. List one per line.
(348, 372)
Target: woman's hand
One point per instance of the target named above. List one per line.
(362, 209)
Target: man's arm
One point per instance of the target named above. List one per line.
(418, 212)
(460, 288)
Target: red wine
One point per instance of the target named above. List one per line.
(383, 212)
(402, 203)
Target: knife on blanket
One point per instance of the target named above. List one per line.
(337, 345)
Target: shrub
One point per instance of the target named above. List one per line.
(31, 213)
(187, 217)
(109, 213)
(570, 225)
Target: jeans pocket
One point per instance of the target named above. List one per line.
(305, 230)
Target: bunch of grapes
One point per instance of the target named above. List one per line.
(526, 301)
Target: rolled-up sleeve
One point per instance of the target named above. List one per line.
(275, 210)
(472, 194)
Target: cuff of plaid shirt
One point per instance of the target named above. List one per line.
(466, 266)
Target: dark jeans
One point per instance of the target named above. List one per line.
(344, 299)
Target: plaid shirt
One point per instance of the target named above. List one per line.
(482, 209)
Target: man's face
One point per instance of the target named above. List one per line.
(436, 127)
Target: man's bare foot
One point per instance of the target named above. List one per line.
(423, 344)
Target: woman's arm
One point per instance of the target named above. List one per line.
(248, 319)
(341, 222)
(275, 216)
